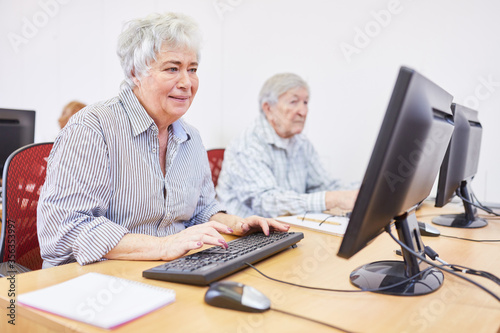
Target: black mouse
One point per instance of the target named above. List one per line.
(236, 296)
(428, 230)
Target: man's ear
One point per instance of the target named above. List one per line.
(267, 110)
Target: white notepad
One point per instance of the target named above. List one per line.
(97, 299)
(334, 225)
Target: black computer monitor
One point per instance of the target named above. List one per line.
(405, 161)
(459, 168)
(17, 129)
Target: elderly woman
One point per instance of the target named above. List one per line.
(128, 178)
(272, 169)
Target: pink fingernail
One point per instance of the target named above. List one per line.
(230, 230)
(223, 242)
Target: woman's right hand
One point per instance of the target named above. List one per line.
(192, 238)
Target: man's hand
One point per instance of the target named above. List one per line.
(341, 199)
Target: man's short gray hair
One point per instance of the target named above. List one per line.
(141, 40)
(277, 85)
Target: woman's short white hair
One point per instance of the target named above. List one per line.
(277, 85)
(141, 40)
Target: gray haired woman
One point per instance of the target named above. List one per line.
(128, 178)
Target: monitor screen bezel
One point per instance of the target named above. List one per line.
(20, 120)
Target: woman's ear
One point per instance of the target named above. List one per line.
(136, 81)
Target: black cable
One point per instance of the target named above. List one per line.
(415, 254)
(310, 319)
(459, 268)
(472, 240)
(486, 209)
(462, 238)
(339, 290)
(467, 270)
(483, 207)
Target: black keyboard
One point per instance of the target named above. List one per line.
(214, 263)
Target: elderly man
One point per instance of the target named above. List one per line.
(272, 169)
(128, 178)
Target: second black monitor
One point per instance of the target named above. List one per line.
(459, 167)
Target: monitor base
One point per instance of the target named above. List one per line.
(386, 273)
(459, 221)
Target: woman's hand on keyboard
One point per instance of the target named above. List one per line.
(192, 238)
(257, 223)
(244, 226)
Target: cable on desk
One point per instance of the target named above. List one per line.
(467, 270)
(417, 255)
(458, 268)
(338, 290)
(476, 204)
(310, 319)
(463, 238)
(483, 207)
(473, 240)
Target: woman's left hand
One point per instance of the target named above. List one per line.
(244, 226)
(256, 223)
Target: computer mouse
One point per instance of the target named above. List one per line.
(236, 296)
(428, 230)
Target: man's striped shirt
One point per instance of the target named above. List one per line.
(266, 175)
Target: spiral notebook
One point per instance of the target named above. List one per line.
(98, 299)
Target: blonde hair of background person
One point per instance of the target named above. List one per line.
(70, 109)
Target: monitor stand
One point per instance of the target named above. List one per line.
(469, 219)
(381, 274)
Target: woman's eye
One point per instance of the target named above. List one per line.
(171, 69)
(193, 70)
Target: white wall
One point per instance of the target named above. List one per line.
(54, 51)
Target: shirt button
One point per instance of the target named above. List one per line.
(154, 150)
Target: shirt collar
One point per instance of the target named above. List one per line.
(140, 120)
(268, 133)
(179, 130)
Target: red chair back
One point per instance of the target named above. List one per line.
(215, 158)
(24, 174)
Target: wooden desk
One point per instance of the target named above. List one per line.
(457, 306)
